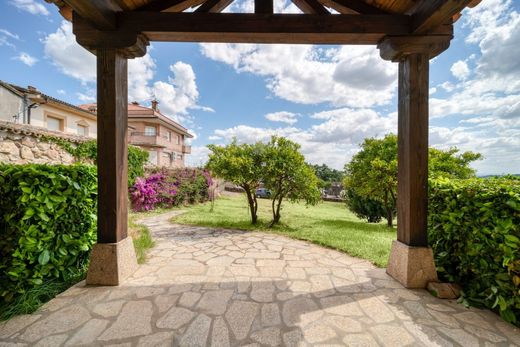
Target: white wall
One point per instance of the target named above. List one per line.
(10, 105)
(70, 120)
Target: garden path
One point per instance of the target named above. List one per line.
(205, 286)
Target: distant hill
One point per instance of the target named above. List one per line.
(489, 176)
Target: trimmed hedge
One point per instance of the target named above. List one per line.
(474, 230)
(47, 224)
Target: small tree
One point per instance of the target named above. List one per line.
(240, 164)
(364, 208)
(372, 172)
(288, 176)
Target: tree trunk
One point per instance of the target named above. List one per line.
(276, 217)
(389, 217)
(253, 205)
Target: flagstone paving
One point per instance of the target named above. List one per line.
(212, 287)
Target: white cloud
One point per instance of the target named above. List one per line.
(86, 98)
(26, 59)
(176, 96)
(460, 70)
(353, 76)
(198, 156)
(61, 92)
(6, 38)
(69, 57)
(30, 6)
(282, 116)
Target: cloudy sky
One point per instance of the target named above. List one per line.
(327, 98)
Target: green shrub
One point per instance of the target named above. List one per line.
(371, 210)
(87, 150)
(474, 230)
(47, 224)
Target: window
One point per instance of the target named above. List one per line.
(149, 131)
(174, 156)
(152, 157)
(169, 136)
(178, 139)
(179, 157)
(82, 130)
(55, 124)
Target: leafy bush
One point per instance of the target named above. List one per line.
(47, 224)
(368, 209)
(87, 150)
(167, 188)
(474, 230)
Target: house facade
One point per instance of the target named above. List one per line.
(31, 107)
(162, 137)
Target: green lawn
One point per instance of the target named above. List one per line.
(329, 224)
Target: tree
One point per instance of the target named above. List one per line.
(241, 164)
(364, 208)
(372, 172)
(288, 176)
(327, 175)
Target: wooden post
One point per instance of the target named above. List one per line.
(113, 257)
(112, 149)
(412, 192)
(411, 260)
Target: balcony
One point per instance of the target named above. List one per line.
(141, 138)
(186, 149)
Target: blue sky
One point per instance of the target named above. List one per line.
(327, 98)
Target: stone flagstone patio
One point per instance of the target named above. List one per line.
(211, 287)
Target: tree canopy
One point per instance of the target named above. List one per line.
(372, 172)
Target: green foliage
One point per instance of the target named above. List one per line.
(450, 164)
(87, 151)
(287, 176)
(327, 175)
(474, 230)
(240, 164)
(137, 159)
(47, 222)
(364, 208)
(372, 172)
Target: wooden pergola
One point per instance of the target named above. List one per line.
(409, 32)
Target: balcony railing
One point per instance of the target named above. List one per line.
(186, 149)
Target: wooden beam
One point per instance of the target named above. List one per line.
(101, 13)
(429, 14)
(394, 48)
(213, 6)
(310, 7)
(352, 6)
(112, 119)
(170, 5)
(256, 28)
(264, 6)
(412, 195)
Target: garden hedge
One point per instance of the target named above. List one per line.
(474, 230)
(47, 223)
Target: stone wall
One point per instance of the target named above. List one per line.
(23, 144)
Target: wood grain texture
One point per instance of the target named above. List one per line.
(264, 6)
(412, 191)
(170, 5)
(310, 7)
(112, 125)
(395, 48)
(101, 13)
(352, 6)
(213, 6)
(427, 15)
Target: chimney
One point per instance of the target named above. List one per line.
(32, 89)
(135, 103)
(154, 104)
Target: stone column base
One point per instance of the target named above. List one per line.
(111, 263)
(413, 267)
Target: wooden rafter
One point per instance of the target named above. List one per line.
(428, 15)
(352, 6)
(263, 6)
(101, 13)
(213, 6)
(170, 5)
(310, 7)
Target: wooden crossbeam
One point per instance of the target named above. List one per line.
(263, 6)
(310, 7)
(101, 13)
(428, 15)
(255, 28)
(213, 6)
(352, 6)
(170, 5)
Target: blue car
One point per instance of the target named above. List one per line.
(263, 193)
